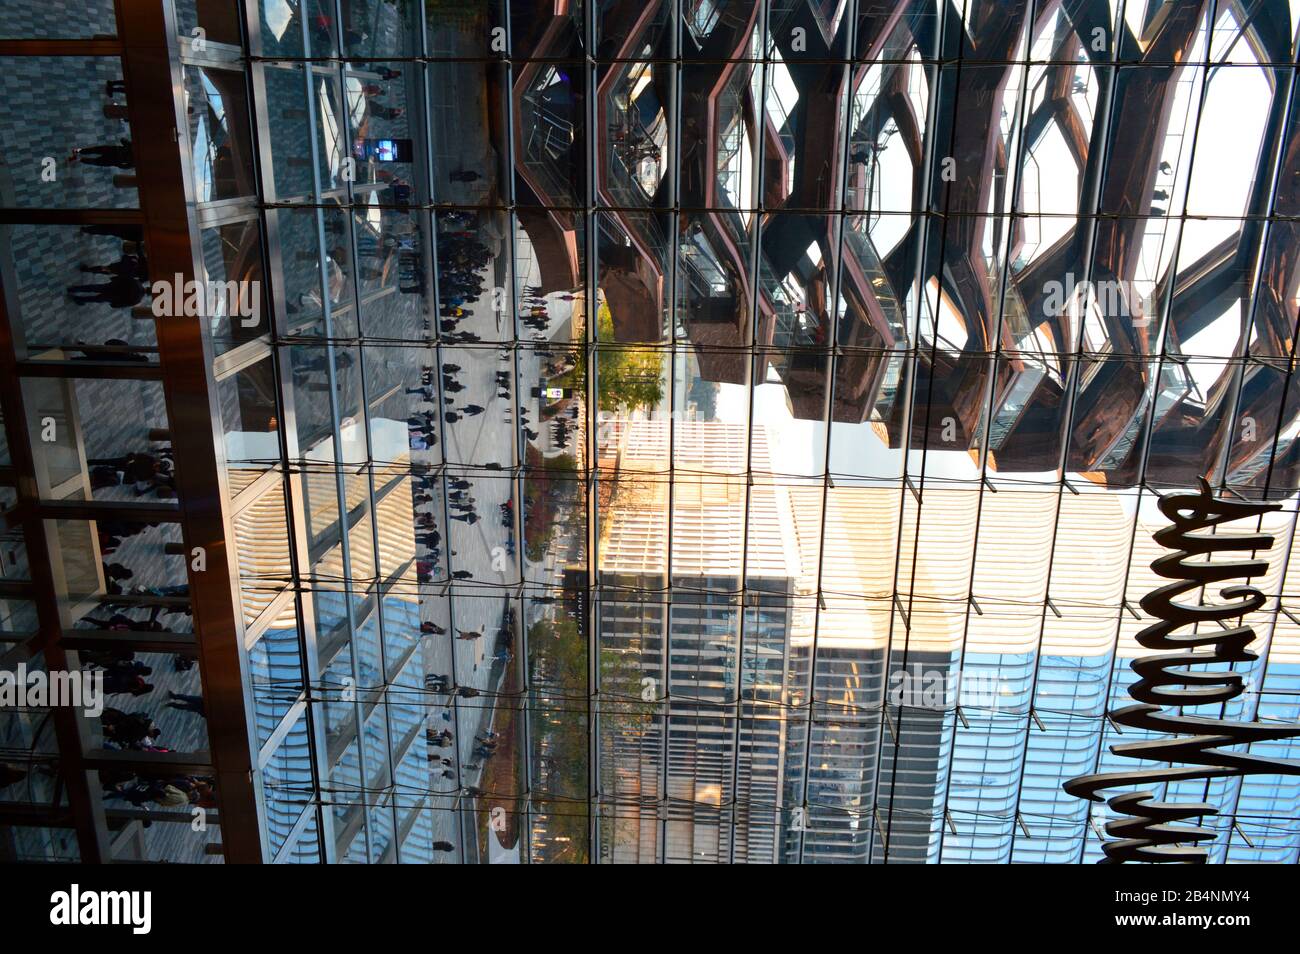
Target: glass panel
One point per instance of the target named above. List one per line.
(220, 135)
(250, 422)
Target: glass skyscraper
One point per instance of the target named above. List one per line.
(598, 431)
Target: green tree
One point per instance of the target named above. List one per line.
(628, 378)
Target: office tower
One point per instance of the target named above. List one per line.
(677, 431)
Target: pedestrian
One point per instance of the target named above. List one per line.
(186, 703)
(119, 681)
(121, 291)
(127, 266)
(108, 155)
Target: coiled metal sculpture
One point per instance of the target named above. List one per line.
(1150, 833)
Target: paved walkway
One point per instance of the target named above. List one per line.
(480, 548)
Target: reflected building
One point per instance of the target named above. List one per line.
(718, 742)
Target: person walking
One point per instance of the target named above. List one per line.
(108, 155)
(121, 291)
(185, 703)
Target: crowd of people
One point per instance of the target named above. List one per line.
(162, 791)
(124, 674)
(141, 471)
(533, 312)
(462, 259)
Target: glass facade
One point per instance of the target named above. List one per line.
(605, 432)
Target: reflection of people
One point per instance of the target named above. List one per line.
(121, 291)
(118, 681)
(127, 233)
(117, 156)
(185, 703)
(128, 730)
(131, 265)
(171, 797)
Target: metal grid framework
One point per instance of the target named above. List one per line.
(759, 210)
(872, 331)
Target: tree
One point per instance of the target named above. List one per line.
(628, 378)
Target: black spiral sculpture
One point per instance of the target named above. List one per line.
(1193, 746)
